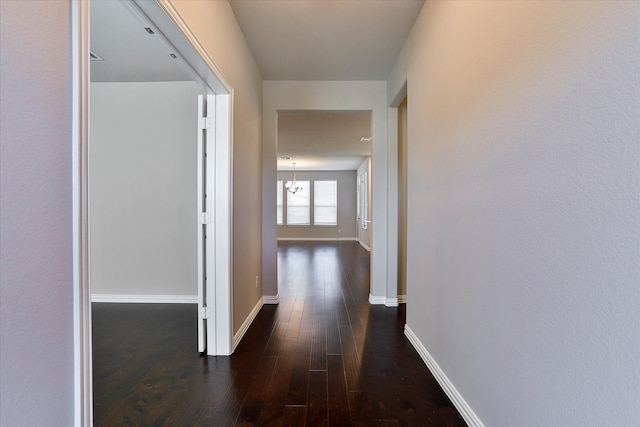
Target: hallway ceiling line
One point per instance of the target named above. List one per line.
(326, 40)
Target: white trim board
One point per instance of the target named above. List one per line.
(364, 245)
(271, 299)
(391, 302)
(153, 299)
(377, 300)
(82, 359)
(245, 325)
(461, 405)
(387, 301)
(318, 239)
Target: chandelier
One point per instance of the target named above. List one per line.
(292, 185)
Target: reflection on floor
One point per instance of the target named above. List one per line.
(324, 356)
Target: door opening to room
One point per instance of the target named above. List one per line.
(329, 153)
(159, 209)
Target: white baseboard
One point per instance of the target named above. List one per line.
(317, 239)
(391, 302)
(364, 245)
(153, 299)
(271, 299)
(376, 300)
(245, 325)
(463, 407)
(402, 299)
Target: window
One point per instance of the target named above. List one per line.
(297, 208)
(325, 202)
(279, 214)
(298, 205)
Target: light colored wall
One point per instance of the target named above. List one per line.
(346, 181)
(143, 188)
(402, 198)
(364, 234)
(333, 96)
(524, 208)
(216, 28)
(36, 284)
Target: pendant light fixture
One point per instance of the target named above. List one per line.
(292, 185)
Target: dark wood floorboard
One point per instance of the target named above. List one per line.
(322, 357)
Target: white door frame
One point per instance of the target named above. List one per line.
(83, 394)
(172, 30)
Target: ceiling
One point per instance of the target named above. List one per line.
(290, 40)
(129, 53)
(326, 39)
(323, 140)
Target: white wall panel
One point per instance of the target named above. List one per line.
(143, 188)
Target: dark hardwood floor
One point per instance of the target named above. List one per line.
(322, 357)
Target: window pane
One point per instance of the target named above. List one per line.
(323, 215)
(279, 202)
(298, 215)
(325, 202)
(298, 205)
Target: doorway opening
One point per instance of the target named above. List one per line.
(330, 151)
(121, 175)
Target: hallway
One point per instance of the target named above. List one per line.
(323, 356)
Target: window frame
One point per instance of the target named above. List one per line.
(333, 205)
(305, 187)
(280, 202)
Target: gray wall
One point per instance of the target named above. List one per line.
(346, 207)
(143, 188)
(216, 28)
(36, 283)
(402, 198)
(523, 206)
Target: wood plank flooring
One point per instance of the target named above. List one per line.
(322, 357)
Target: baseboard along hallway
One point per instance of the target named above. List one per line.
(322, 356)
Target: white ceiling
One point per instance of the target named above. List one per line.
(326, 39)
(130, 54)
(290, 40)
(323, 140)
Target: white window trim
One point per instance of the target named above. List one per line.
(363, 200)
(280, 202)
